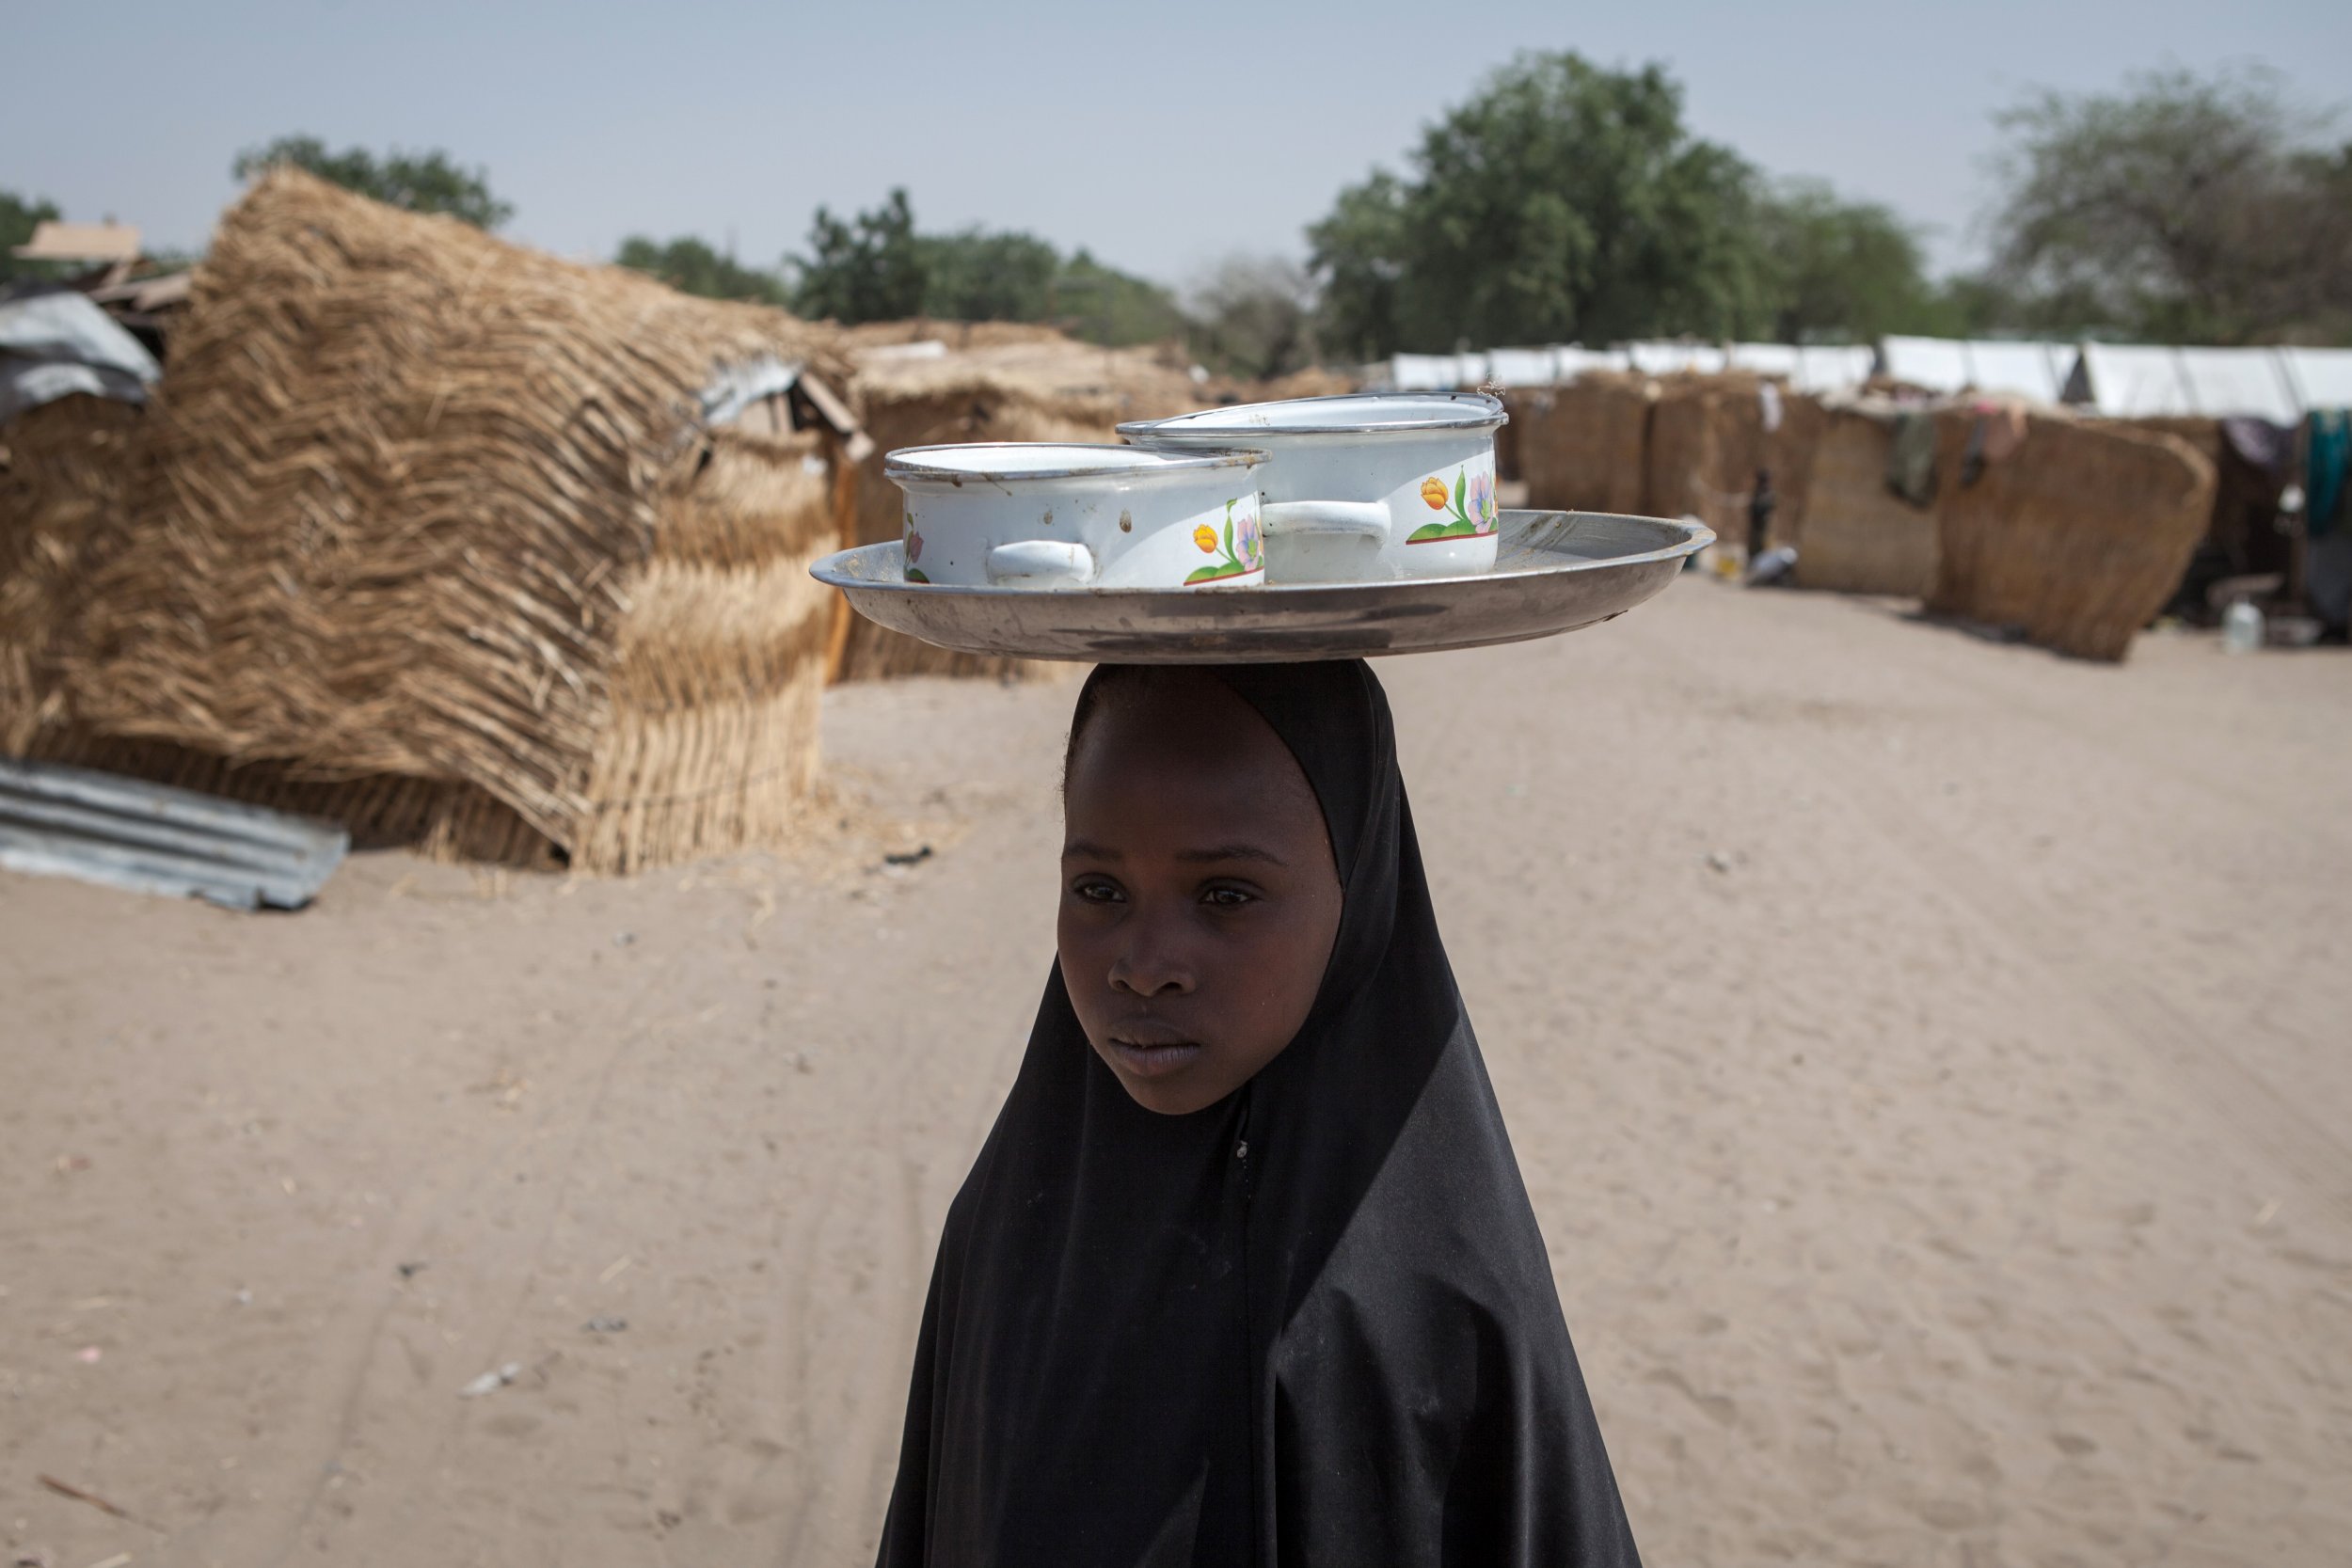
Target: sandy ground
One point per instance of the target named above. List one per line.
(1928, 1059)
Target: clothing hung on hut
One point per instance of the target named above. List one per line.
(1911, 459)
(1311, 1324)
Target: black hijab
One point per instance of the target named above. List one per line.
(1312, 1324)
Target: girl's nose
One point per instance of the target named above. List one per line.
(1150, 966)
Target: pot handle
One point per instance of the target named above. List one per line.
(1350, 519)
(1040, 562)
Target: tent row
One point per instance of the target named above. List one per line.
(2119, 380)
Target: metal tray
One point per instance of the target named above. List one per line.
(1555, 572)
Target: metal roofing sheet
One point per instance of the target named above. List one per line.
(148, 838)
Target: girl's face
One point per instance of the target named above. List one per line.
(1199, 901)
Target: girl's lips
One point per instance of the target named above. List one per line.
(1153, 1061)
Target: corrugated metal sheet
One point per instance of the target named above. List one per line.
(124, 832)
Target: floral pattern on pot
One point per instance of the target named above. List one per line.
(1471, 503)
(913, 548)
(1240, 550)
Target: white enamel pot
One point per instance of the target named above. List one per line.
(1044, 515)
(1371, 486)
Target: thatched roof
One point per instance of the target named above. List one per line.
(404, 481)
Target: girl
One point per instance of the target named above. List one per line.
(1245, 1273)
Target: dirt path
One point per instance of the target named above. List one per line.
(1927, 1057)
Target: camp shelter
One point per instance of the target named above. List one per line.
(2320, 377)
(1859, 535)
(1707, 441)
(2077, 537)
(449, 540)
(1816, 367)
(2029, 370)
(2141, 381)
(1582, 447)
(63, 467)
(1040, 387)
(1428, 372)
(1676, 358)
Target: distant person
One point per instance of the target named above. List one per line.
(1762, 503)
(1246, 1272)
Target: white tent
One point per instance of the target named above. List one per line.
(1419, 372)
(2319, 377)
(1808, 368)
(2146, 381)
(1524, 367)
(1669, 358)
(1574, 359)
(2030, 369)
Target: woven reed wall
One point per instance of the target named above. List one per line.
(2079, 537)
(408, 518)
(716, 692)
(63, 467)
(1584, 446)
(1860, 537)
(1706, 440)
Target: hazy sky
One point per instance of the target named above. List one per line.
(1162, 137)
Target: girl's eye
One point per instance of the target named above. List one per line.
(1095, 891)
(1226, 898)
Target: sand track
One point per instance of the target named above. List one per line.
(1927, 1057)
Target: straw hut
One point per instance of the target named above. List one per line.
(1707, 442)
(1859, 536)
(62, 472)
(1037, 386)
(452, 541)
(2078, 537)
(1584, 447)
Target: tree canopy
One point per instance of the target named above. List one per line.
(1564, 202)
(1253, 316)
(877, 266)
(19, 217)
(427, 181)
(693, 266)
(2185, 208)
(1840, 269)
(868, 268)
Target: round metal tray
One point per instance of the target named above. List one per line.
(1555, 572)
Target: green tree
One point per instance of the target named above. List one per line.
(1563, 201)
(869, 268)
(418, 181)
(1840, 269)
(2186, 208)
(1253, 316)
(983, 276)
(693, 266)
(1358, 253)
(1104, 304)
(19, 217)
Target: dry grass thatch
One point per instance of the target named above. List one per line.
(1859, 536)
(428, 506)
(1584, 447)
(2078, 537)
(63, 467)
